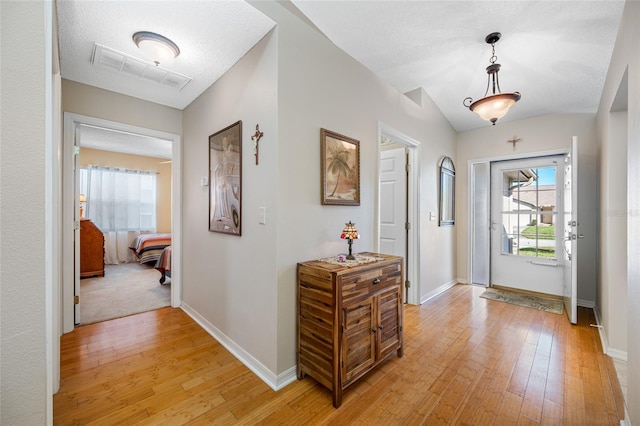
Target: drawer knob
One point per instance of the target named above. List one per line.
(376, 281)
(381, 327)
(373, 330)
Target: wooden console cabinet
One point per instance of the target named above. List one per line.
(91, 250)
(350, 319)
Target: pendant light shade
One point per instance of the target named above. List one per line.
(495, 106)
(156, 47)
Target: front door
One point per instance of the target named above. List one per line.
(571, 235)
(525, 246)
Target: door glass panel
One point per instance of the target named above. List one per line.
(529, 212)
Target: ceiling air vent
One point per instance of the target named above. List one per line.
(109, 59)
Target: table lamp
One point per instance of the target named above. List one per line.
(350, 233)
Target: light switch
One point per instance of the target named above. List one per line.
(204, 181)
(262, 215)
(432, 216)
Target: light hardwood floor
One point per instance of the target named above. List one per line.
(467, 360)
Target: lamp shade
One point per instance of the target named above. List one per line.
(83, 198)
(350, 232)
(156, 47)
(494, 107)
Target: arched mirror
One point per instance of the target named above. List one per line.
(447, 192)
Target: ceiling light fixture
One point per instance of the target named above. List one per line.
(495, 106)
(156, 47)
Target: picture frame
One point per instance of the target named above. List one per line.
(225, 180)
(340, 165)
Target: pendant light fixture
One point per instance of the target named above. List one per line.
(495, 106)
(156, 47)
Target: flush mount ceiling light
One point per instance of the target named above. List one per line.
(495, 106)
(156, 47)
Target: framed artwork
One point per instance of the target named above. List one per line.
(340, 165)
(225, 180)
(447, 192)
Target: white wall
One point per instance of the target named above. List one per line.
(546, 133)
(612, 264)
(99, 103)
(322, 87)
(230, 281)
(24, 394)
(293, 83)
(625, 55)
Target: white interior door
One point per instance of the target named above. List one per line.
(524, 213)
(76, 227)
(393, 202)
(570, 234)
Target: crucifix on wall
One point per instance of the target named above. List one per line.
(256, 139)
(514, 141)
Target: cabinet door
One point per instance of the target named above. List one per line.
(358, 339)
(389, 314)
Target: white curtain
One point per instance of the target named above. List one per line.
(116, 247)
(122, 203)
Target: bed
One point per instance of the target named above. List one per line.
(163, 264)
(148, 247)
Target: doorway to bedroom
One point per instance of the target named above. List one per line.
(125, 193)
(122, 183)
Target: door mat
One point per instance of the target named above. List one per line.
(536, 302)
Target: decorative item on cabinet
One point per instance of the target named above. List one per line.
(91, 250)
(350, 319)
(350, 233)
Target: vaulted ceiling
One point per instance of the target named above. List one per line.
(555, 53)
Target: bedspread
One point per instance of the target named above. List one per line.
(164, 264)
(149, 247)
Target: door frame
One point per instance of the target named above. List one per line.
(470, 204)
(72, 122)
(412, 274)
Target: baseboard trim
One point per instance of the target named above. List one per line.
(275, 381)
(613, 353)
(625, 421)
(587, 303)
(438, 290)
(617, 354)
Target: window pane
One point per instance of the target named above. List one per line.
(539, 241)
(529, 206)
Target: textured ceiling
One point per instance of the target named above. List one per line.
(212, 37)
(556, 53)
(124, 142)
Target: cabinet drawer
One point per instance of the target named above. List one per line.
(363, 283)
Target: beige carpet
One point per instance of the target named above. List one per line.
(541, 303)
(126, 289)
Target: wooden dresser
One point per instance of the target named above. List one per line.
(349, 319)
(91, 250)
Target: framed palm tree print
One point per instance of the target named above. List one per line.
(340, 164)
